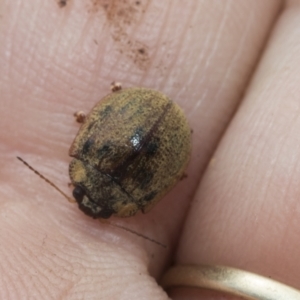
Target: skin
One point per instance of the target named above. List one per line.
(239, 87)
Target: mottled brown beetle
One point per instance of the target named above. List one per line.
(130, 151)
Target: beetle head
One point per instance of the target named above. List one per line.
(88, 206)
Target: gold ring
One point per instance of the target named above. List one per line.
(229, 280)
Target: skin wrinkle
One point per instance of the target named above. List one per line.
(6, 287)
(98, 62)
(199, 103)
(41, 262)
(191, 76)
(64, 75)
(271, 82)
(248, 159)
(80, 248)
(30, 49)
(8, 284)
(133, 33)
(120, 66)
(163, 31)
(216, 38)
(201, 59)
(57, 39)
(218, 34)
(271, 170)
(143, 15)
(234, 59)
(8, 55)
(119, 60)
(146, 21)
(126, 259)
(291, 171)
(67, 291)
(203, 95)
(274, 165)
(214, 101)
(64, 71)
(285, 235)
(180, 50)
(11, 33)
(58, 278)
(287, 232)
(99, 65)
(85, 35)
(21, 285)
(164, 27)
(228, 179)
(37, 268)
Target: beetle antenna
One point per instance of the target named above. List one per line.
(46, 179)
(72, 201)
(136, 233)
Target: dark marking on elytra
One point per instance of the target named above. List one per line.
(87, 146)
(137, 151)
(104, 150)
(145, 178)
(107, 110)
(137, 110)
(124, 108)
(91, 125)
(152, 147)
(150, 196)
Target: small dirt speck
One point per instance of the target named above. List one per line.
(142, 50)
(184, 176)
(62, 3)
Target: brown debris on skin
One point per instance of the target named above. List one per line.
(122, 16)
(183, 176)
(142, 50)
(115, 86)
(80, 116)
(62, 3)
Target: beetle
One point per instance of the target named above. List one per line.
(131, 149)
